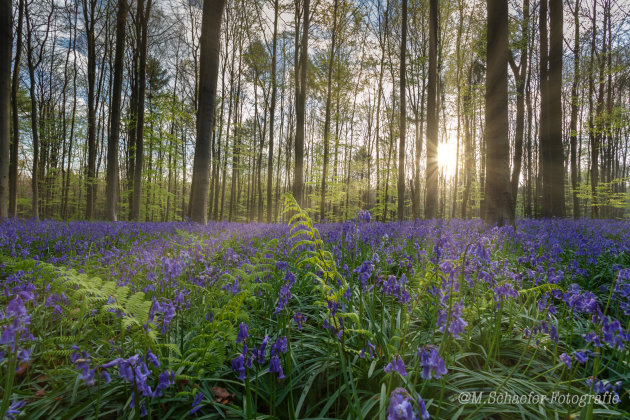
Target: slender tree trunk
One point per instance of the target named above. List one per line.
(13, 160)
(300, 109)
(431, 197)
(114, 130)
(331, 58)
(520, 74)
(403, 115)
(209, 72)
(89, 17)
(6, 44)
(574, 111)
(272, 112)
(553, 172)
(498, 200)
(143, 21)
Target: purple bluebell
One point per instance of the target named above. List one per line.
(243, 332)
(396, 365)
(431, 362)
(196, 404)
(274, 366)
(401, 406)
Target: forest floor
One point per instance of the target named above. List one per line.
(447, 319)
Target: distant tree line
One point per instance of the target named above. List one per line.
(211, 110)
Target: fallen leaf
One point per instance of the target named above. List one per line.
(222, 395)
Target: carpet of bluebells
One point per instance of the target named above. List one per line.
(375, 320)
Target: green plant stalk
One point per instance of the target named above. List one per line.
(8, 384)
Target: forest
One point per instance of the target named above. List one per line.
(314, 209)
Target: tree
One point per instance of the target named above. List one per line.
(520, 75)
(553, 153)
(403, 115)
(13, 164)
(208, 75)
(573, 134)
(272, 109)
(331, 58)
(142, 22)
(89, 18)
(6, 40)
(300, 110)
(431, 198)
(114, 130)
(498, 199)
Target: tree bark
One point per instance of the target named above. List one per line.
(403, 115)
(498, 200)
(6, 44)
(431, 197)
(114, 130)
(209, 72)
(574, 112)
(300, 109)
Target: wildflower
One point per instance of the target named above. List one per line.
(196, 404)
(259, 353)
(566, 359)
(238, 366)
(299, 319)
(553, 333)
(400, 406)
(430, 360)
(274, 366)
(581, 357)
(243, 332)
(364, 216)
(396, 365)
(280, 346)
(598, 386)
(14, 409)
(423, 409)
(504, 291)
(152, 358)
(457, 324)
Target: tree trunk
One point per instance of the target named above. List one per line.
(6, 44)
(209, 72)
(114, 130)
(272, 112)
(431, 197)
(13, 160)
(498, 200)
(300, 109)
(574, 112)
(143, 21)
(553, 172)
(331, 58)
(403, 115)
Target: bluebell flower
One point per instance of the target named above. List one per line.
(299, 319)
(243, 332)
(396, 365)
(581, 357)
(566, 359)
(196, 404)
(274, 366)
(14, 409)
(280, 346)
(238, 366)
(424, 414)
(152, 358)
(430, 361)
(457, 325)
(400, 406)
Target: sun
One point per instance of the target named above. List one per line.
(447, 157)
